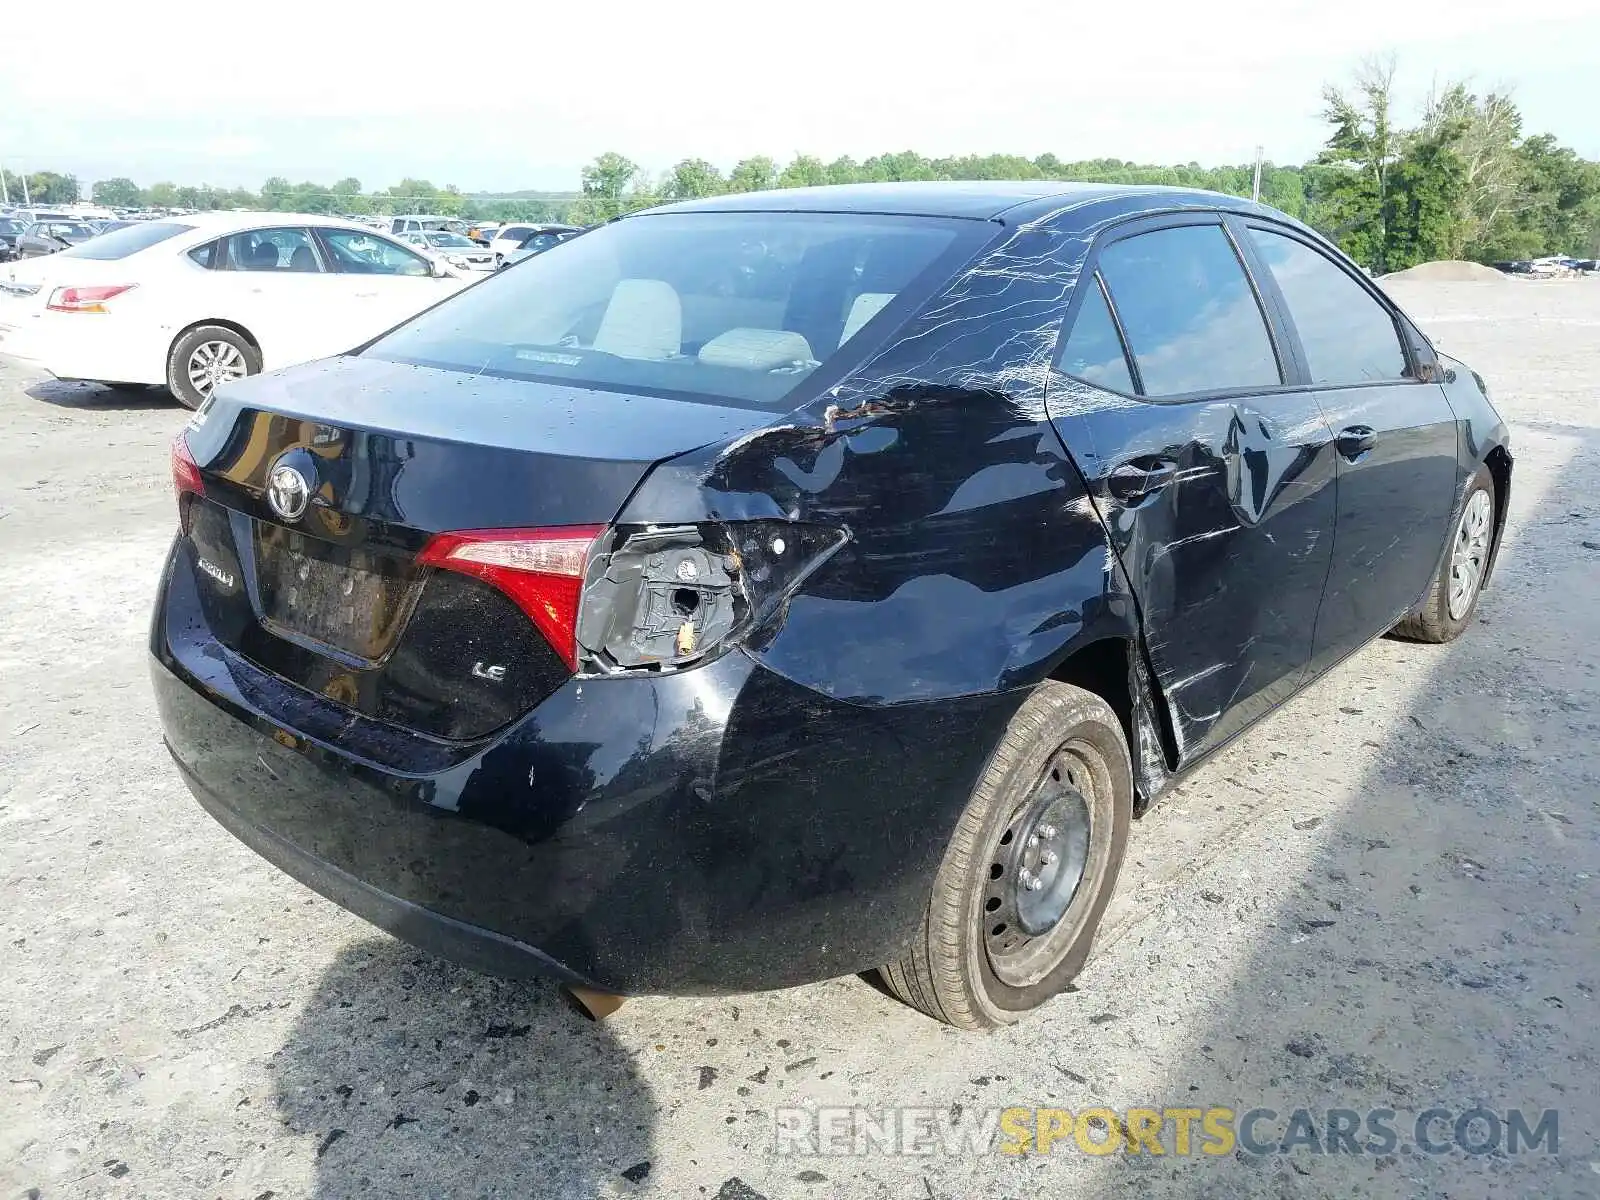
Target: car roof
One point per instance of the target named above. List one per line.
(978, 200)
(233, 222)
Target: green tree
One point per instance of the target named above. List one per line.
(1423, 217)
(804, 171)
(605, 183)
(275, 194)
(115, 193)
(1353, 188)
(1483, 133)
(1558, 210)
(47, 187)
(164, 195)
(907, 164)
(349, 198)
(844, 170)
(753, 175)
(691, 179)
(414, 196)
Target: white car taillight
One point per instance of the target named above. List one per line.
(86, 299)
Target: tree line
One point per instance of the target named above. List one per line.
(1461, 181)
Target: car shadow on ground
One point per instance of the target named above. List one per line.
(64, 394)
(522, 1097)
(1428, 939)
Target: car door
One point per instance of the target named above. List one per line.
(1209, 461)
(1394, 431)
(387, 282)
(273, 282)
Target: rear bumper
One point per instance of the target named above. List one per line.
(471, 945)
(79, 345)
(723, 829)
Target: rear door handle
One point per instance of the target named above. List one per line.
(1355, 440)
(1139, 477)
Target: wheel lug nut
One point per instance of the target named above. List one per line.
(1049, 858)
(1047, 832)
(1025, 877)
(1033, 840)
(1035, 884)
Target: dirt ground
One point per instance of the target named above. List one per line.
(1384, 897)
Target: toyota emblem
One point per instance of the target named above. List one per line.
(288, 493)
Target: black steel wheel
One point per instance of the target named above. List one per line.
(1030, 870)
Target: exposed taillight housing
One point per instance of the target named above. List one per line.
(86, 299)
(664, 598)
(643, 598)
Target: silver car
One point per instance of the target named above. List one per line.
(453, 248)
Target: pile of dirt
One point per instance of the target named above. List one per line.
(1449, 271)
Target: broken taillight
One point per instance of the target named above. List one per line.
(644, 598)
(664, 598)
(541, 569)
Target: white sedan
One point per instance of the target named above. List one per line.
(196, 301)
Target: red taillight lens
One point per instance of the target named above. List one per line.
(541, 569)
(85, 299)
(185, 471)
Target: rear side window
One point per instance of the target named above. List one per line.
(1190, 314)
(1348, 336)
(1093, 351)
(129, 239)
(204, 255)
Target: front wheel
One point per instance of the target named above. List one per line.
(1452, 597)
(206, 357)
(1030, 869)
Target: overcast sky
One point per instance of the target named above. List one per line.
(229, 93)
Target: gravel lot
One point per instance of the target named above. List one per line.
(1383, 897)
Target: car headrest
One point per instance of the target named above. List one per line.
(756, 349)
(866, 306)
(644, 319)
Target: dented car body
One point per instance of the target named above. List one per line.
(681, 684)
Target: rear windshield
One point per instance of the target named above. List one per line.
(733, 306)
(130, 239)
(450, 239)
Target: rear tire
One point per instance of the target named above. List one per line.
(206, 356)
(1452, 599)
(1055, 799)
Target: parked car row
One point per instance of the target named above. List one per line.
(1557, 265)
(506, 244)
(31, 234)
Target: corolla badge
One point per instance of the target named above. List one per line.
(288, 493)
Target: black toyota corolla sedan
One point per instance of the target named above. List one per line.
(783, 585)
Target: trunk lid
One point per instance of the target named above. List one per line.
(324, 589)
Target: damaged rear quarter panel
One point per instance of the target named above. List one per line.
(976, 561)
